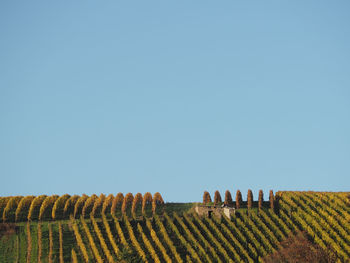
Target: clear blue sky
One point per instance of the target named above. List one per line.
(174, 96)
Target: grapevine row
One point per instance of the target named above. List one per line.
(19, 208)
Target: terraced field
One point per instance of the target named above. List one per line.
(180, 235)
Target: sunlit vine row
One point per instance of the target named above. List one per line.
(212, 238)
(80, 241)
(110, 235)
(187, 245)
(133, 239)
(91, 241)
(202, 239)
(148, 244)
(102, 241)
(167, 240)
(191, 238)
(158, 242)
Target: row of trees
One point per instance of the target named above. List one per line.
(239, 201)
(19, 208)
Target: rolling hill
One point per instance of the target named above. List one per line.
(145, 229)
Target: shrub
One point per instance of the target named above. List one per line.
(7, 229)
(261, 199)
(147, 204)
(58, 207)
(46, 207)
(136, 208)
(238, 199)
(228, 198)
(35, 206)
(69, 206)
(127, 203)
(206, 198)
(250, 199)
(217, 198)
(9, 214)
(23, 208)
(157, 204)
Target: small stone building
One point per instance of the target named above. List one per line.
(217, 211)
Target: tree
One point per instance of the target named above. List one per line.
(228, 198)
(299, 249)
(238, 199)
(261, 199)
(272, 200)
(250, 199)
(206, 198)
(217, 198)
(157, 204)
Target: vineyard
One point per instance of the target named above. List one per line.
(145, 229)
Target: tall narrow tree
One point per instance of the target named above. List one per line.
(147, 204)
(206, 198)
(238, 199)
(228, 199)
(250, 199)
(261, 199)
(217, 198)
(158, 204)
(272, 200)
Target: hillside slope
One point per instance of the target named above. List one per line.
(184, 237)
